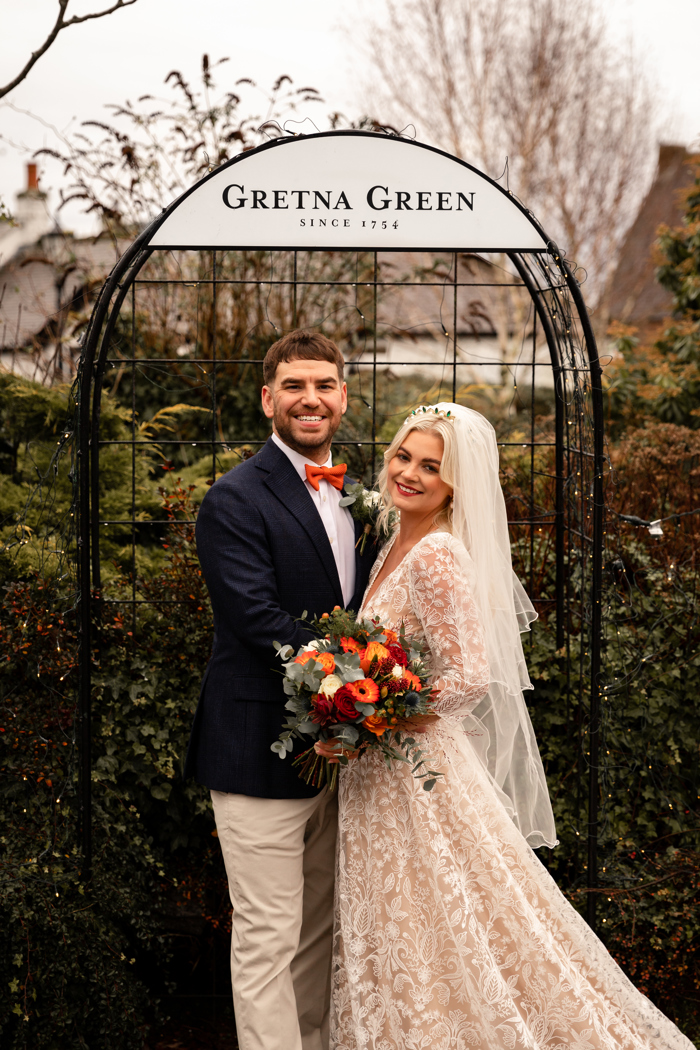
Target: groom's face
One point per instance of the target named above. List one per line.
(306, 402)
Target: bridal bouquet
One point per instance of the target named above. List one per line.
(358, 686)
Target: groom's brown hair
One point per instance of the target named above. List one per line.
(301, 345)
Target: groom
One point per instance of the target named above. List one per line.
(273, 541)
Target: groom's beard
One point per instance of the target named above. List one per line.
(303, 441)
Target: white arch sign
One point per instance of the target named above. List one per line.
(352, 191)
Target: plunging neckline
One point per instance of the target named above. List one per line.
(388, 548)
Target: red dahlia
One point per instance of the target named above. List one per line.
(322, 712)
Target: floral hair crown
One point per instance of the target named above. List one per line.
(429, 411)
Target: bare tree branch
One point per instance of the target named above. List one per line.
(539, 82)
(128, 167)
(61, 23)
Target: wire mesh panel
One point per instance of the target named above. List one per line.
(185, 351)
(178, 339)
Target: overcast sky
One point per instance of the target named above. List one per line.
(131, 52)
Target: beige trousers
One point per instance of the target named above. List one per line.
(280, 862)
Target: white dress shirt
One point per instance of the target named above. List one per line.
(337, 520)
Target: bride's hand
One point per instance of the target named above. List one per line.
(332, 750)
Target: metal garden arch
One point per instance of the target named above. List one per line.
(301, 218)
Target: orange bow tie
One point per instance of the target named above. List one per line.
(333, 475)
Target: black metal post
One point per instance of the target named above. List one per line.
(374, 370)
(596, 592)
(86, 454)
(558, 371)
(454, 329)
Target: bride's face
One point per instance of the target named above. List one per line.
(413, 479)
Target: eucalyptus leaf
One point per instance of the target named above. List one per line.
(345, 663)
(346, 733)
(354, 675)
(364, 709)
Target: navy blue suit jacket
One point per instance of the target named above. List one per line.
(266, 558)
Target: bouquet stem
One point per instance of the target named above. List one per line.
(316, 770)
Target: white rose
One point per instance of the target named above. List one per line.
(330, 685)
(397, 671)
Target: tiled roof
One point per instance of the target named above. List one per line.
(637, 298)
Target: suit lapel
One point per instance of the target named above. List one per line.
(286, 485)
(358, 557)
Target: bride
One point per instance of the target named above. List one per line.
(449, 931)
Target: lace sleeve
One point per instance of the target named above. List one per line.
(441, 598)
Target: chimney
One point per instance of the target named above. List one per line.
(31, 211)
(32, 191)
(32, 178)
(32, 219)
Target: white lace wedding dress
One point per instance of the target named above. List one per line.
(449, 931)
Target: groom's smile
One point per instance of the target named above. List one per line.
(306, 401)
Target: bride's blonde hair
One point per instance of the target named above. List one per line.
(443, 428)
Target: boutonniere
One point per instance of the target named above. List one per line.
(365, 506)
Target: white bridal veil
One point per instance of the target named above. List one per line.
(499, 727)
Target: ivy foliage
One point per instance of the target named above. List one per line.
(75, 949)
(85, 961)
(648, 897)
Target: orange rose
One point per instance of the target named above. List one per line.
(376, 724)
(327, 662)
(349, 645)
(365, 690)
(374, 651)
(413, 679)
(391, 637)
